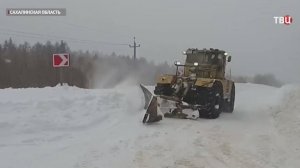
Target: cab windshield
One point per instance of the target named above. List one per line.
(202, 58)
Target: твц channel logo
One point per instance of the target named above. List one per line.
(287, 19)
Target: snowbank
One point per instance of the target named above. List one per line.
(68, 127)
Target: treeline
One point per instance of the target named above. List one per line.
(31, 66)
(24, 66)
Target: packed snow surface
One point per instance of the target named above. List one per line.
(68, 127)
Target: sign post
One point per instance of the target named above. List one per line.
(60, 61)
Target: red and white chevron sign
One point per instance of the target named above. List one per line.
(61, 60)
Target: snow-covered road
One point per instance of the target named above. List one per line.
(68, 127)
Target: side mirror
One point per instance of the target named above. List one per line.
(177, 63)
(229, 59)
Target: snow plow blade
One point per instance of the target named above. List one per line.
(167, 106)
(151, 114)
(151, 106)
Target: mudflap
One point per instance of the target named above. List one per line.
(151, 106)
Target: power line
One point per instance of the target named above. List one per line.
(64, 37)
(72, 24)
(29, 36)
(38, 35)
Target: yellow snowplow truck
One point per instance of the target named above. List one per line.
(199, 88)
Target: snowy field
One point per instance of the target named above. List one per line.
(68, 127)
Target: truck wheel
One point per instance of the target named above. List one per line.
(229, 104)
(215, 102)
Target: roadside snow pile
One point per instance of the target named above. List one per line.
(54, 109)
(287, 119)
(290, 106)
(68, 127)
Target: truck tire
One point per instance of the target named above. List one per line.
(229, 104)
(215, 102)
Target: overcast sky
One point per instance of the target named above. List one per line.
(164, 28)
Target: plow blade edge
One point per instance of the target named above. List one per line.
(151, 106)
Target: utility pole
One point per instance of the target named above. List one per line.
(134, 48)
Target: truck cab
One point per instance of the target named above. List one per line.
(210, 63)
